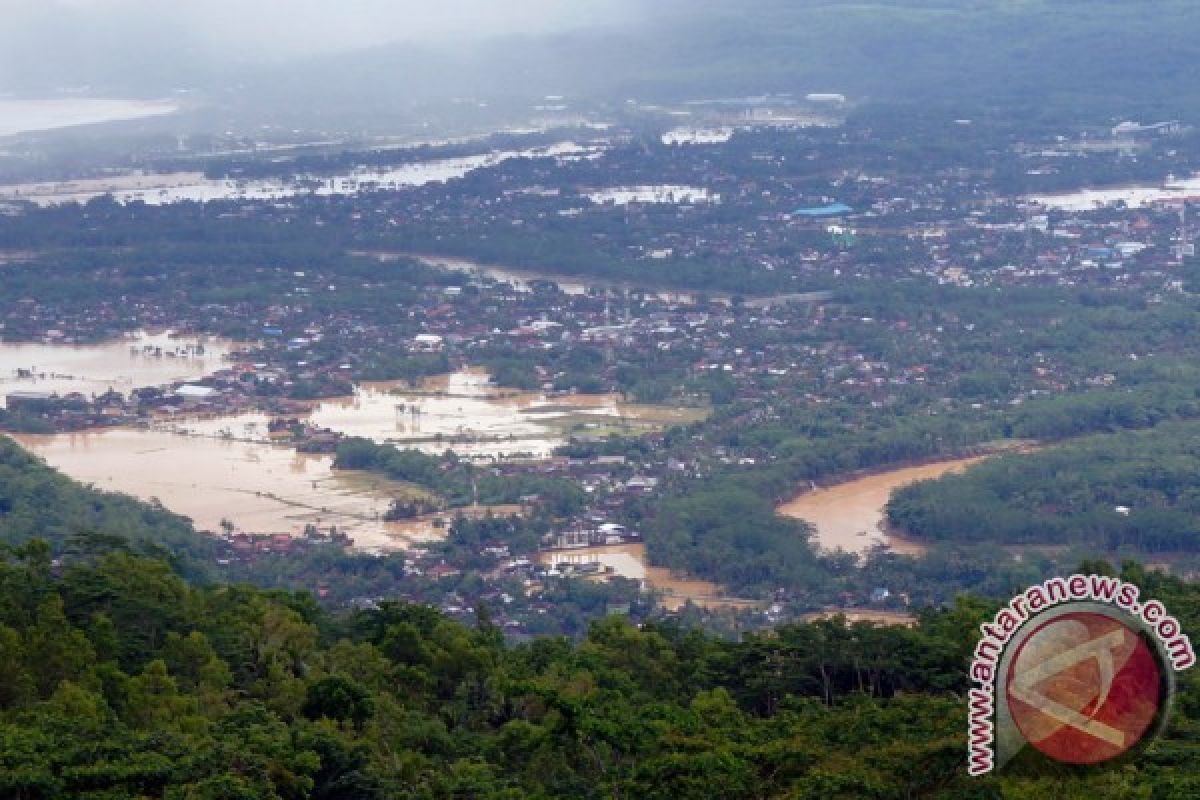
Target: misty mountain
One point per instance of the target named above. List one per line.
(1016, 51)
(1060, 52)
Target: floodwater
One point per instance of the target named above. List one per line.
(1131, 196)
(464, 412)
(850, 516)
(698, 135)
(183, 187)
(714, 133)
(681, 195)
(25, 116)
(522, 279)
(261, 488)
(518, 278)
(142, 359)
(629, 561)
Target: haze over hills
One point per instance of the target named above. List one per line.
(954, 50)
(552, 399)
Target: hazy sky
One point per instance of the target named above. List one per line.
(273, 28)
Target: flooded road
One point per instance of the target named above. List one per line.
(629, 561)
(850, 515)
(142, 359)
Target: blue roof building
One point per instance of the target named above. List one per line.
(832, 210)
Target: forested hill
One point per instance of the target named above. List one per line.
(117, 679)
(39, 502)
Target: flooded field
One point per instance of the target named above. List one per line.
(518, 278)
(122, 365)
(1130, 196)
(164, 189)
(461, 411)
(674, 194)
(629, 561)
(260, 488)
(466, 413)
(685, 135)
(523, 279)
(850, 515)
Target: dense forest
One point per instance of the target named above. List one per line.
(1132, 491)
(121, 680)
(456, 481)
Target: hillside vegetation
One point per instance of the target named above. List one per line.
(117, 679)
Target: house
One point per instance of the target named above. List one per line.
(192, 394)
(427, 343)
(641, 483)
(27, 400)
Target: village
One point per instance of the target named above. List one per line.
(680, 376)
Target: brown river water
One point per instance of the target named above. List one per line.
(629, 561)
(850, 515)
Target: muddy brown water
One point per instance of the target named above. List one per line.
(629, 561)
(850, 516)
(261, 488)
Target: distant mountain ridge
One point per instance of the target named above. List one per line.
(1085, 54)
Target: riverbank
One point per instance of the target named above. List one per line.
(523, 278)
(849, 514)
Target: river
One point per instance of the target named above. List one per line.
(850, 516)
